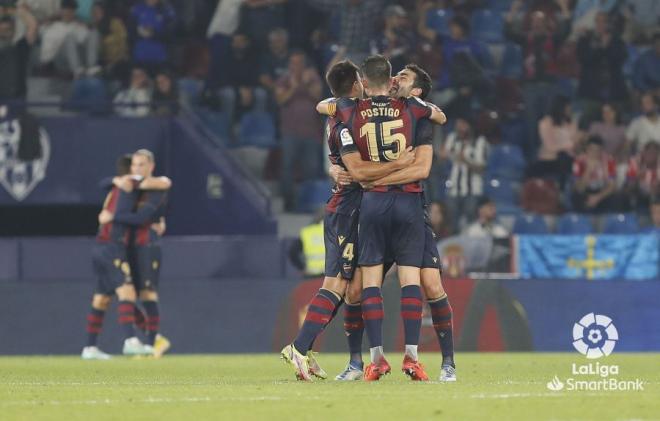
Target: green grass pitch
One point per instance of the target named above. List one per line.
(261, 387)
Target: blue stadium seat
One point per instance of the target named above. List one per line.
(514, 131)
(499, 5)
(190, 89)
(312, 194)
(621, 223)
(502, 192)
(217, 122)
(506, 162)
(512, 61)
(487, 26)
(633, 55)
(438, 20)
(257, 128)
(574, 223)
(89, 94)
(530, 223)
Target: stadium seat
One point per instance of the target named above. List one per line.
(505, 195)
(574, 223)
(89, 94)
(217, 122)
(512, 62)
(541, 196)
(499, 5)
(487, 26)
(506, 162)
(514, 131)
(620, 223)
(257, 128)
(438, 20)
(190, 90)
(312, 194)
(530, 223)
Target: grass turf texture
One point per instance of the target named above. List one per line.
(246, 387)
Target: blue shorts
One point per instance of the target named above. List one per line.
(145, 265)
(391, 224)
(111, 267)
(340, 235)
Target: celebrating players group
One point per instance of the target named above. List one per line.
(379, 132)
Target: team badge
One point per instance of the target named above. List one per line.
(341, 239)
(18, 177)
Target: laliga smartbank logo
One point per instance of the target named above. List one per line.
(594, 336)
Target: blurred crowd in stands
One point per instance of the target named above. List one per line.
(553, 104)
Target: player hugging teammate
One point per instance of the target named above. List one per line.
(380, 148)
(126, 256)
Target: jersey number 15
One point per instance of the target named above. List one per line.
(381, 139)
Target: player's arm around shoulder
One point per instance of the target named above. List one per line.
(430, 110)
(156, 183)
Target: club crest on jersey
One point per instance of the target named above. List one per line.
(346, 138)
(18, 177)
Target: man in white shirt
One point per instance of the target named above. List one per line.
(486, 224)
(646, 127)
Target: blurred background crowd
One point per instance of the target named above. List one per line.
(552, 104)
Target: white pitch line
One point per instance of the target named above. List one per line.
(149, 400)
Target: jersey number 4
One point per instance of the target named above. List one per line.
(381, 140)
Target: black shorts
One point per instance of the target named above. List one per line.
(110, 267)
(391, 224)
(145, 264)
(431, 257)
(340, 235)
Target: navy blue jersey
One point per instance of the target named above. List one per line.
(117, 201)
(149, 209)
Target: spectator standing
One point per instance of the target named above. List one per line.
(114, 41)
(242, 77)
(646, 70)
(396, 40)
(260, 17)
(560, 138)
(151, 28)
(611, 130)
(297, 93)
(467, 155)
(595, 174)
(462, 72)
(486, 224)
(357, 24)
(134, 101)
(68, 43)
(223, 25)
(643, 176)
(646, 127)
(15, 52)
(602, 54)
(641, 17)
(165, 99)
(275, 63)
(540, 46)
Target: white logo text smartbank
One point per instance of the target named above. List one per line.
(594, 336)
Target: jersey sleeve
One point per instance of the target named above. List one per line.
(343, 109)
(345, 139)
(424, 132)
(419, 108)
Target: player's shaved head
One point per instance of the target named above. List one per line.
(341, 77)
(377, 70)
(124, 164)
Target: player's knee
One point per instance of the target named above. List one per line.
(101, 302)
(432, 283)
(336, 285)
(148, 295)
(126, 292)
(353, 294)
(409, 275)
